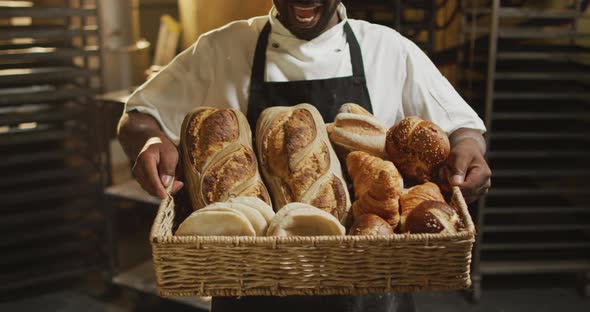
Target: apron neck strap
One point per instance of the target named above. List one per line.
(259, 64)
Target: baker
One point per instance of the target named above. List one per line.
(304, 51)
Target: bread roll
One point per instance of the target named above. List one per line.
(355, 129)
(433, 217)
(255, 203)
(297, 160)
(217, 157)
(417, 147)
(377, 186)
(298, 219)
(413, 196)
(216, 221)
(370, 224)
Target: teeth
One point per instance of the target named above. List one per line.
(307, 8)
(304, 20)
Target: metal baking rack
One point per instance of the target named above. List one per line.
(525, 71)
(51, 161)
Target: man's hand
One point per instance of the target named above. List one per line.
(155, 167)
(156, 157)
(466, 166)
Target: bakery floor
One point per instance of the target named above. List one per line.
(507, 294)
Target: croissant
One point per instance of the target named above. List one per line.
(364, 169)
(297, 160)
(381, 199)
(413, 196)
(355, 129)
(417, 147)
(217, 157)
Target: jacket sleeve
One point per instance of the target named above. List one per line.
(429, 95)
(180, 87)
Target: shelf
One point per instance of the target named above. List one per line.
(131, 190)
(492, 210)
(45, 12)
(47, 193)
(40, 75)
(45, 32)
(534, 246)
(496, 191)
(143, 278)
(541, 116)
(39, 252)
(539, 135)
(534, 266)
(529, 13)
(45, 175)
(51, 212)
(508, 173)
(539, 154)
(40, 94)
(535, 228)
(46, 53)
(45, 233)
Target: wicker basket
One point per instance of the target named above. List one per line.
(322, 265)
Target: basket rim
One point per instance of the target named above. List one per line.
(467, 234)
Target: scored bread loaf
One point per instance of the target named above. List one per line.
(355, 129)
(377, 186)
(217, 157)
(417, 147)
(297, 160)
(414, 196)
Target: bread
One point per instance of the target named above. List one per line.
(217, 157)
(355, 129)
(255, 203)
(216, 221)
(417, 147)
(298, 219)
(381, 199)
(377, 186)
(370, 224)
(297, 160)
(433, 217)
(364, 169)
(413, 196)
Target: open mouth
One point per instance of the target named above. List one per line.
(307, 16)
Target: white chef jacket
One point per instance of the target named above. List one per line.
(215, 71)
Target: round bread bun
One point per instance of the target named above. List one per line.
(298, 219)
(417, 148)
(370, 224)
(255, 203)
(433, 217)
(255, 218)
(216, 222)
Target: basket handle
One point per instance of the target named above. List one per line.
(161, 214)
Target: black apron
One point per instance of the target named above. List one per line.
(327, 95)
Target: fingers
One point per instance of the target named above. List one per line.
(146, 172)
(477, 182)
(457, 166)
(167, 164)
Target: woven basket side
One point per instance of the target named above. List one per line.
(164, 221)
(312, 270)
(458, 202)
